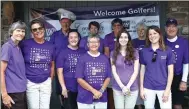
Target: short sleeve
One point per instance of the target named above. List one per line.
(141, 57)
(60, 60)
(170, 57)
(80, 67)
(6, 52)
(186, 52)
(53, 53)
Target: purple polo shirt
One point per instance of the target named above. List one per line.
(83, 44)
(181, 52)
(138, 44)
(109, 41)
(59, 40)
(38, 58)
(124, 71)
(156, 73)
(15, 74)
(67, 59)
(94, 70)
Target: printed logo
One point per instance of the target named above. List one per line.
(163, 57)
(126, 24)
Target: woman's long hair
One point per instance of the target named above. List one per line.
(161, 40)
(130, 57)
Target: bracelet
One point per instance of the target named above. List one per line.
(101, 90)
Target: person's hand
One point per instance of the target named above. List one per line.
(142, 94)
(126, 90)
(7, 101)
(65, 92)
(96, 94)
(183, 86)
(165, 96)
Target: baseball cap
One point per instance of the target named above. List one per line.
(171, 21)
(66, 14)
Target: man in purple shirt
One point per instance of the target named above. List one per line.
(109, 43)
(93, 31)
(13, 77)
(180, 48)
(93, 74)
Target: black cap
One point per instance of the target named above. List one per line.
(171, 21)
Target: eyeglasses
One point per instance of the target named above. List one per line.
(35, 29)
(154, 56)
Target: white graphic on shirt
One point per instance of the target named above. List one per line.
(39, 58)
(95, 72)
(73, 61)
(163, 57)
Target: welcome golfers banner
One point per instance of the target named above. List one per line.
(131, 16)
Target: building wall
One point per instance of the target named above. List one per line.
(180, 11)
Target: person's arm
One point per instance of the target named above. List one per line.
(170, 77)
(169, 83)
(52, 70)
(62, 82)
(183, 83)
(7, 100)
(116, 77)
(105, 84)
(86, 86)
(3, 85)
(142, 72)
(134, 75)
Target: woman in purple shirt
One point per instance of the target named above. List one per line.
(13, 77)
(156, 73)
(93, 74)
(39, 59)
(125, 64)
(66, 68)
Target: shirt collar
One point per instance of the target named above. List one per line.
(173, 39)
(150, 49)
(12, 42)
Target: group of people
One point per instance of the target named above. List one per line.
(93, 72)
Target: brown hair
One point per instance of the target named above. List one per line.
(130, 57)
(161, 40)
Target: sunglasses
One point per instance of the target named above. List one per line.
(35, 29)
(154, 56)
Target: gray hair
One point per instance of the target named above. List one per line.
(16, 25)
(92, 36)
(141, 24)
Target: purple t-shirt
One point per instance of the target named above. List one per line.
(156, 73)
(181, 52)
(67, 59)
(124, 71)
(59, 40)
(38, 58)
(109, 41)
(94, 70)
(15, 75)
(138, 44)
(83, 44)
